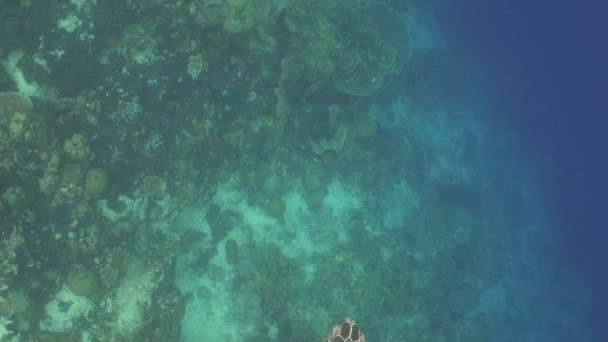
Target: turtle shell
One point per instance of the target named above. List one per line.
(345, 331)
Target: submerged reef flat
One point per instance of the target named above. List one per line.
(252, 170)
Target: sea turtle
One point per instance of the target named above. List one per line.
(345, 331)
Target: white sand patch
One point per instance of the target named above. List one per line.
(340, 200)
(214, 309)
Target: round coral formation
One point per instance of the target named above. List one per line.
(154, 186)
(346, 61)
(83, 282)
(96, 182)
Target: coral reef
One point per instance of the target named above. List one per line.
(237, 170)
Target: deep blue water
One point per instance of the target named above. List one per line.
(545, 67)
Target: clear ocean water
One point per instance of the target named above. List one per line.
(546, 70)
(303, 170)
